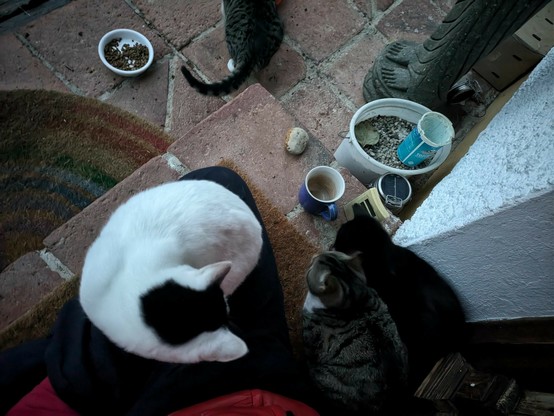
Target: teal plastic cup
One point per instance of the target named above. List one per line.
(433, 131)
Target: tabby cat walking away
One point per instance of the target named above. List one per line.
(254, 32)
(354, 353)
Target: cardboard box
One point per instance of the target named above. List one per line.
(509, 61)
(538, 32)
(519, 53)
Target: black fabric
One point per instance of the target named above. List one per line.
(95, 377)
(21, 369)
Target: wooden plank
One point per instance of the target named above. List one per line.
(535, 403)
(538, 330)
(453, 385)
(532, 365)
(444, 379)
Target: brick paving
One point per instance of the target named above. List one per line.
(313, 81)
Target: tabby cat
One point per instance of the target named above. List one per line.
(427, 312)
(253, 32)
(353, 351)
(156, 279)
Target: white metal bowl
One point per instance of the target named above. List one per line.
(130, 37)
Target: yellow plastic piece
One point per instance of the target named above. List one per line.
(370, 202)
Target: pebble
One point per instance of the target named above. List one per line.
(296, 140)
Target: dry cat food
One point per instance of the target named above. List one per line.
(129, 58)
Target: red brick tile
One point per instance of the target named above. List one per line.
(146, 96)
(411, 20)
(22, 284)
(353, 189)
(68, 39)
(320, 27)
(180, 21)
(350, 68)
(188, 106)
(304, 224)
(250, 131)
(70, 242)
(284, 71)
(319, 232)
(383, 5)
(19, 69)
(321, 111)
(364, 6)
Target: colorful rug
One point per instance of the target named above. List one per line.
(58, 153)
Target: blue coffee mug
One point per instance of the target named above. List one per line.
(322, 187)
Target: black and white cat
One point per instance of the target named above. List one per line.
(155, 281)
(254, 32)
(353, 351)
(427, 312)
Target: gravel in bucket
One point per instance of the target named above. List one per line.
(380, 137)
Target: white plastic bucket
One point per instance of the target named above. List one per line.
(366, 169)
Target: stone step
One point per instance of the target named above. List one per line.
(248, 132)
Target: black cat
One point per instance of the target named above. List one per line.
(427, 312)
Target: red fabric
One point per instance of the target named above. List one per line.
(42, 401)
(248, 403)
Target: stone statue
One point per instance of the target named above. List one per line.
(425, 72)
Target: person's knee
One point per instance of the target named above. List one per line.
(221, 175)
(213, 173)
(224, 174)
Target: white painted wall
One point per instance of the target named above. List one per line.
(488, 225)
(502, 265)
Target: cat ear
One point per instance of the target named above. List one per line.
(355, 262)
(221, 345)
(215, 273)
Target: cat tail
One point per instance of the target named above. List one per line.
(229, 84)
